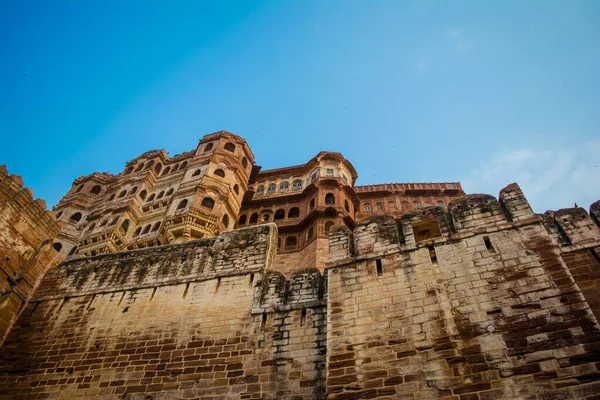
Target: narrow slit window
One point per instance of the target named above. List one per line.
(379, 267)
(432, 254)
(303, 317)
(218, 284)
(488, 244)
(251, 280)
(185, 291)
(263, 321)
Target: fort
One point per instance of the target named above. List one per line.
(202, 276)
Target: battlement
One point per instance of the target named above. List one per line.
(239, 252)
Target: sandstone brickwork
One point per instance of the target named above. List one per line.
(482, 299)
(26, 233)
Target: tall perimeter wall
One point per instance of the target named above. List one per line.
(485, 300)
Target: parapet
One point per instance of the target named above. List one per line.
(575, 226)
(237, 252)
(306, 288)
(595, 212)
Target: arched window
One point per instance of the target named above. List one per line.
(166, 171)
(91, 227)
(244, 162)
(208, 202)
(152, 196)
(140, 167)
(311, 205)
(391, 206)
(169, 192)
(310, 233)
(265, 218)
(175, 167)
(137, 231)
(297, 184)
(284, 186)
(329, 198)
(128, 170)
(328, 226)
(124, 227)
(96, 189)
(230, 147)
(143, 194)
(157, 168)
(58, 215)
(160, 195)
(123, 193)
(183, 203)
(236, 189)
(271, 189)
(208, 147)
(73, 251)
(102, 223)
(220, 172)
(112, 197)
(76, 217)
(379, 206)
(57, 246)
(226, 220)
(367, 207)
(291, 241)
(114, 221)
(294, 212)
(79, 189)
(253, 218)
(184, 165)
(242, 220)
(156, 226)
(260, 191)
(135, 188)
(147, 229)
(279, 214)
(347, 205)
(404, 205)
(196, 172)
(150, 164)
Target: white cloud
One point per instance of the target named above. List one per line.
(453, 32)
(550, 177)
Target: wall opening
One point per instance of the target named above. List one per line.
(303, 317)
(488, 244)
(424, 230)
(251, 280)
(432, 254)
(595, 255)
(263, 322)
(379, 267)
(152, 295)
(185, 291)
(218, 284)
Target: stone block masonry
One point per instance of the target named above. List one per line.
(484, 300)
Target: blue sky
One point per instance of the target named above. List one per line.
(486, 93)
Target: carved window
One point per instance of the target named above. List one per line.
(147, 229)
(160, 195)
(111, 197)
(313, 177)
(57, 246)
(79, 189)
(208, 147)
(265, 218)
(284, 186)
(297, 184)
(134, 190)
(183, 203)
(242, 220)
(226, 220)
(123, 193)
(260, 191)
(169, 192)
(244, 162)
(271, 189)
(206, 202)
(311, 205)
(253, 218)
(196, 172)
(76, 217)
(156, 227)
(416, 205)
(367, 207)
(128, 170)
(157, 168)
(329, 198)
(345, 178)
(328, 226)
(140, 167)
(167, 170)
(379, 206)
(96, 189)
(310, 233)
(220, 172)
(279, 214)
(230, 147)
(137, 231)
(152, 196)
(329, 172)
(150, 164)
(346, 205)
(291, 241)
(184, 165)
(236, 189)
(440, 204)
(124, 227)
(294, 212)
